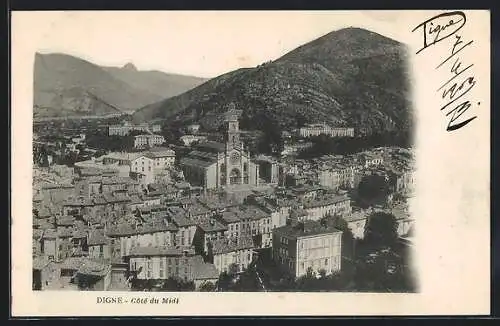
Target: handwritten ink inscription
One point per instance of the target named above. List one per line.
(461, 81)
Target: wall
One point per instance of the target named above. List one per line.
(319, 252)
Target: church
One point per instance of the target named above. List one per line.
(214, 165)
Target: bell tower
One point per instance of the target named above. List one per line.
(233, 129)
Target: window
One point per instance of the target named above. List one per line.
(326, 262)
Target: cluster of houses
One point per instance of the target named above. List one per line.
(150, 216)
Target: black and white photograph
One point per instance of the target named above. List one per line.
(292, 175)
(253, 152)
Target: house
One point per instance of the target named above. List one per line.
(206, 232)
(328, 204)
(162, 157)
(125, 237)
(148, 140)
(203, 272)
(186, 226)
(188, 140)
(356, 221)
(93, 275)
(44, 273)
(310, 244)
(232, 252)
(160, 263)
(99, 245)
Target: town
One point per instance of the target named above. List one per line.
(119, 206)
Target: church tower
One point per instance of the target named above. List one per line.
(233, 129)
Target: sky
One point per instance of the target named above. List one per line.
(199, 43)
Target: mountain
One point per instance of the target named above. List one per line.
(159, 83)
(65, 85)
(350, 77)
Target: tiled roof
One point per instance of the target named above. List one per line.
(324, 201)
(204, 271)
(97, 237)
(298, 212)
(155, 251)
(65, 221)
(225, 245)
(212, 226)
(65, 233)
(212, 146)
(309, 228)
(50, 234)
(196, 162)
(94, 268)
(127, 229)
(229, 217)
(40, 262)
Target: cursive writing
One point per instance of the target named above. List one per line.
(461, 81)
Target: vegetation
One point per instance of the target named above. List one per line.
(372, 189)
(323, 145)
(207, 287)
(381, 231)
(307, 86)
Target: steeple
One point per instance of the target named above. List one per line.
(233, 133)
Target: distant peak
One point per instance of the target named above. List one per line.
(129, 66)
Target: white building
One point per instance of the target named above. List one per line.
(311, 130)
(150, 140)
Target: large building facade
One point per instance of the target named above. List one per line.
(307, 245)
(312, 130)
(215, 165)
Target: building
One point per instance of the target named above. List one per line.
(193, 128)
(203, 273)
(215, 165)
(327, 204)
(188, 140)
(137, 165)
(312, 130)
(162, 157)
(126, 128)
(229, 252)
(371, 159)
(298, 247)
(329, 178)
(99, 245)
(207, 232)
(148, 140)
(44, 273)
(94, 275)
(161, 263)
(124, 238)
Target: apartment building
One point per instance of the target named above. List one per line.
(298, 247)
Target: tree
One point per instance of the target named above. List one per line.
(339, 223)
(207, 287)
(373, 189)
(381, 230)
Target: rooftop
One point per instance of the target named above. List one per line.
(156, 251)
(226, 245)
(305, 229)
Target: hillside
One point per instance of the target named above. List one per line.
(348, 77)
(66, 86)
(159, 83)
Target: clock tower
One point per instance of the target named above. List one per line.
(233, 130)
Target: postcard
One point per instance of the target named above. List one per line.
(250, 163)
